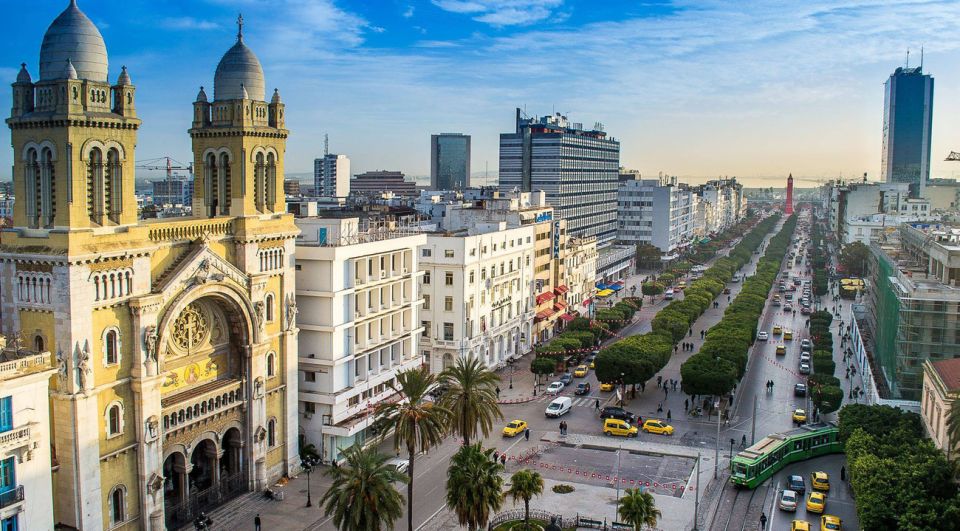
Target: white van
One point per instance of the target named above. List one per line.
(559, 406)
(668, 295)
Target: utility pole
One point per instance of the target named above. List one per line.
(753, 430)
(696, 498)
(716, 461)
(616, 506)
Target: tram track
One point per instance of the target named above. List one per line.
(739, 507)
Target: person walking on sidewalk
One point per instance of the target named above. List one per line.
(526, 434)
(596, 404)
(256, 522)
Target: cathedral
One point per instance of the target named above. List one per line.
(174, 340)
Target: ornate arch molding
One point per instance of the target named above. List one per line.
(39, 146)
(104, 146)
(265, 150)
(216, 152)
(224, 292)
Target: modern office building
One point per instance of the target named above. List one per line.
(578, 169)
(907, 127)
(449, 161)
(331, 176)
(177, 190)
(376, 183)
(291, 187)
(659, 212)
(359, 308)
(26, 488)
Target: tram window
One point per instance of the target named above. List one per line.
(797, 445)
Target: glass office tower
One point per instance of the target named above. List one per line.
(449, 161)
(907, 124)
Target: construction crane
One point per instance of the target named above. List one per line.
(165, 164)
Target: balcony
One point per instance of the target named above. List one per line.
(202, 402)
(11, 497)
(23, 362)
(15, 438)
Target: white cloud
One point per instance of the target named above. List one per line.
(188, 23)
(502, 12)
(408, 12)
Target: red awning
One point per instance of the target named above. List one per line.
(544, 297)
(559, 305)
(561, 289)
(566, 317)
(544, 314)
(587, 302)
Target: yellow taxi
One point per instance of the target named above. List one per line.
(817, 502)
(820, 480)
(781, 350)
(799, 416)
(787, 335)
(799, 525)
(682, 285)
(657, 426)
(514, 428)
(581, 371)
(605, 386)
(619, 427)
(592, 365)
(777, 330)
(829, 523)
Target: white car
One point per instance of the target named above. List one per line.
(399, 464)
(762, 336)
(555, 388)
(788, 500)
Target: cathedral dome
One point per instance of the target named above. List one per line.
(72, 36)
(239, 69)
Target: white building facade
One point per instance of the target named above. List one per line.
(331, 176)
(26, 485)
(721, 205)
(477, 295)
(580, 272)
(359, 324)
(655, 212)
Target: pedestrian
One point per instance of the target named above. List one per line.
(686, 404)
(503, 457)
(763, 520)
(526, 434)
(660, 407)
(675, 347)
(702, 333)
(498, 392)
(843, 473)
(256, 522)
(743, 441)
(643, 386)
(668, 414)
(596, 404)
(496, 456)
(690, 333)
(659, 381)
(665, 391)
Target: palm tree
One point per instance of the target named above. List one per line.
(471, 397)
(417, 423)
(524, 485)
(638, 508)
(474, 485)
(953, 426)
(362, 496)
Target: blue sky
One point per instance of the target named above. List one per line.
(691, 88)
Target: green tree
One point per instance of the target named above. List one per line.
(471, 397)
(823, 362)
(672, 322)
(666, 279)
(953, 425)
(524, 485)
(638, 508)
(417, 424)
(826, 398)
(647, 256)
(362, 496)
(474, 485)
(651, 289)
(854, 258)
(706, 375)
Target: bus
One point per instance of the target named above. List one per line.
(756, 464)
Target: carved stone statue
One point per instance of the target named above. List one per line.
(291, 312)
(83, 366)
(258, 309)
(203, 272)
(61, 370)
(150, 342)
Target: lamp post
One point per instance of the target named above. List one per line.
(616, 506)
(308, 464)
(623, 388)
(716, 457)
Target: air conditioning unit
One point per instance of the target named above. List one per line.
(383, 274)
(405, 271)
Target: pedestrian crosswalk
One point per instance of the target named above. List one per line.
(576, 401)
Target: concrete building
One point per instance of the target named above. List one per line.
(359, 320)
(26, 488)
(941, 387)
(656, 211)
(943, 194)
(580, 275)
(291, 188)
(862, 200)
(331, 176)
(449, 161)
(175, 345)
(376, 183)
(578, 169)
(907, 128)
(477, 289)
(721, 205)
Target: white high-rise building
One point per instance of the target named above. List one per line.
(477, 291)
(331, 176)
(657, 212)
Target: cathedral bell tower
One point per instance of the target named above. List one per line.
(238, 140)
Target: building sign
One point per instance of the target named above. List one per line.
(543, 216)
(556, 239)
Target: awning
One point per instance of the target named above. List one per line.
(559, 305)
(544, 314)
(604, 293)
(588, 302)
(601, 285)
(567, 317)
(616, 287)
(544, 297)
(561, 289)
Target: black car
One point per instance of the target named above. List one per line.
(614, 412)
(800, 390)
(582, 388)
(796, 484)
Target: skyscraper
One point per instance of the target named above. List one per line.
(331, 176)
(449, 161)
(577, 168)
(907, 124)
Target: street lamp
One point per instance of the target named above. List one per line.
(308, 463)
(623, 388)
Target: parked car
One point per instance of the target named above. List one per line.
(657, 426)
(804, 357)
(619, 427)
(614, 412)
(804, 368)
(800, 390)
(806, 345)
(555, 388)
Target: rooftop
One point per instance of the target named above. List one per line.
(949, 373)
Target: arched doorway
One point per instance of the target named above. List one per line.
(203, 466)
(447, 360)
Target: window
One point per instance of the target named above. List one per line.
(448, 331)
(114, 420)
(448, 253)
(309, 376)
(448, 304)
(271, 364)
(6, 414)
(448, 278)
(111, 347)
(472, 275)
(272, 433)
(9, 524)
(38, 343)
(426, 253)
(426, 277)
(426, 302)
(8, 479)
(268, 302)
(117, 505)
(309, 407)
(426, 327)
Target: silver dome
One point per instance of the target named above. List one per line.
(73, 36)
(238, 70)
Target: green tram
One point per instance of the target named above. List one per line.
(756, 464)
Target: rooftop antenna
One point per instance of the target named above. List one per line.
(921, 59)
(326, 144)
(908, 57)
